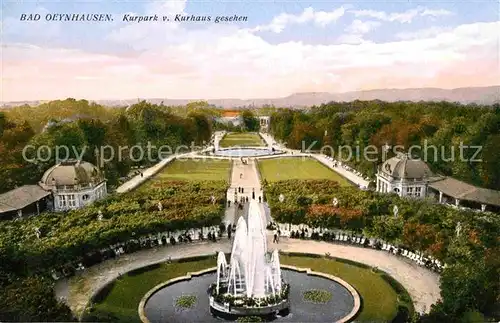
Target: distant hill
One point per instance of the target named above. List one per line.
(480, 95)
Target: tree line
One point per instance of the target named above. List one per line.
(364, 123)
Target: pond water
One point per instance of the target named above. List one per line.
(161, 306)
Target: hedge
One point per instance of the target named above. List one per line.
(103, 292)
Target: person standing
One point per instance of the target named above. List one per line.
(279, 235)
(275, 240)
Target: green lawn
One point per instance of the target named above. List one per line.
(379, 299)
(241, 139)
(194, 169)
(279, 169)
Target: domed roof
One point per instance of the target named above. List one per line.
(404, 167)
(71, 172)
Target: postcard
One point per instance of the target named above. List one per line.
(249, 161)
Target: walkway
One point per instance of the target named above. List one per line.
(422, 284)
(150, 172)
(247, 182)
(244, 176)
(358, 180)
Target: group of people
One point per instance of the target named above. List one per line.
(243, 199)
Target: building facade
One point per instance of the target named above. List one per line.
(66, 186)
(409, 177)
(403, 176)
(264, 122)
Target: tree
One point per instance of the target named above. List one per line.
(202, 127)
(469, 286)
(490, 172)
(3, 120)
(250, 122)
(32, 299)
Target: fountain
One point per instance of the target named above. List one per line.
(251, 284)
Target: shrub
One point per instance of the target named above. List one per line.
(142, 270)
(103, 292)
(97, 315)
(353, 263)
(195, 258)
(402, 316)
(317, 296)
(400, 290)
(299, 254)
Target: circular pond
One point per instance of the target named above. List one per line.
(245, 152)
(164, 305)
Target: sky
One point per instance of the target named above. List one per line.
(283, 47)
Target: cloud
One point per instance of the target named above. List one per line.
(356, 30)
(146, 35)
(362, 27)
(27, 31)
(320, 18)
(435, 13)
(402, 17)
(219, 62)
(422, 33)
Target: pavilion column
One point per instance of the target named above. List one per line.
(440, 197)
(378, 181)
(20, 213)
(457, 202)
(37, 208)
(483, 207)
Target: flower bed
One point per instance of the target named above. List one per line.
(248, 319)
(185, 301)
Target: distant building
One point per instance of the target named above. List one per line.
(68, 185)
(409, 177)
(23, 201)
(230, 116)
(52, 123)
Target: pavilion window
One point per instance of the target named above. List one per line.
(62, 200)
(71, 200)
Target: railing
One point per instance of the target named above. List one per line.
(73, 188)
